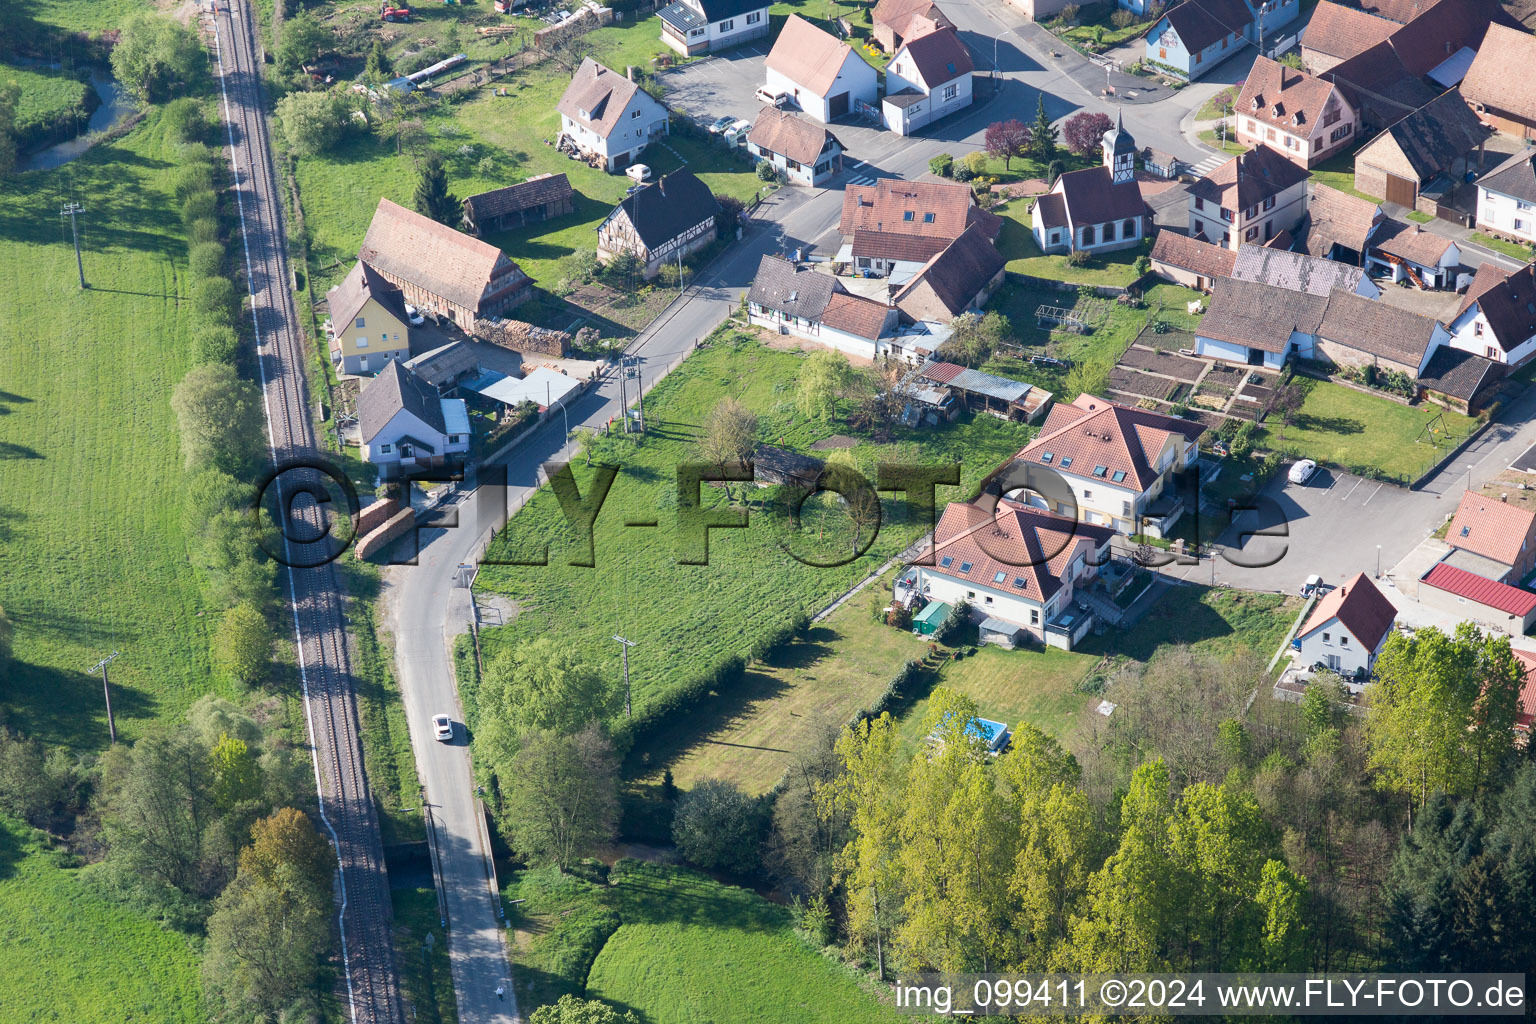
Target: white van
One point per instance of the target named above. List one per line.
(772, 97)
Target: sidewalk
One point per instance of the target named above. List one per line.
(1048, 49)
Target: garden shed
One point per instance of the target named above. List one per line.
(928, 621)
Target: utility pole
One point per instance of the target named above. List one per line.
(625, 645)
(640, 394)
(69, 210)
(101, 666)
(623, 393)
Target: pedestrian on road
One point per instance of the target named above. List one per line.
(501, 991)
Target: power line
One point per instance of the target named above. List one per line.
(69, 210)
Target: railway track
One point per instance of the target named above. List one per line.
(346, 807)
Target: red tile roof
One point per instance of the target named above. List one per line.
(855, 314)
(1024, 545)
(940, 56)
(1193, 255)
(1248, 179)
(883, 207)
(1491, 528)
(781, 131)
(1480, 590)
(1507, 301)
(1344, 31)
(1359, 607)
(461, 268)
(1284, 97)
(1093, 433)
(1526, 716)
(1501, 75)
(597, 97)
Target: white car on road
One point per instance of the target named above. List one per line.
(442, 728)
(1301, 471)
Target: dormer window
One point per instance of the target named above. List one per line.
(1277, 110)
(1258, 103)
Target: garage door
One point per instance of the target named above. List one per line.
(1401, 191)
(838, 105)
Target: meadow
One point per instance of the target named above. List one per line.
(687, 618)
(71, 956)
(677, 948)
(47, 97)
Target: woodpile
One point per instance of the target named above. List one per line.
(523, 337)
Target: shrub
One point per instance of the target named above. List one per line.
(954, 625)
(312, 121)
(1143, 265)
(184, 120)
(1122, 18)
(194, 177)
(941, 164)
(199, 205)
(975, 162)
(718, 827)
(1055, 170)
(213, 299)
(1068, 15)
(202, 230)
(962, 172)
(1077, 258)
(215, 343)
(766, 171)
(206, 260)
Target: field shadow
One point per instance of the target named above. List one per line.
(14, 452)
(66, 708)
(718, 713)
(1179, 618)
(1330, 424)
(11, 852)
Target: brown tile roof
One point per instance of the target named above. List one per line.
(1377, 83)
(1412, 243)
(362, 282)
(1491, 528)
(781, 285)
(940, 56)
(1092, 432)
(1192, 254)
(855, 314)
(596, 97)
(808, 56)
(1264, 173)
(1035, 546)
(956, 275)
(1258, 315)
(1448, 26)
(887, 245)
(1338, 217)
(1050, 211)
(883, 207)
(405, 245)
(1434, 136)
(896, 13)
(1283, 97)
(1507, 301)
(1502, 75)
(1460, 374)
(539, 190)
(1294, 270)
(1342, 31)
(1514, 177)
(1359, 607)
(1092, 197)
(1400, 11)
(1374, 327)
(781, 131)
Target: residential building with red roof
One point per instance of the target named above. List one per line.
(1190, 262)
(897, 226)
(1014, 564)
(1346, 630)
(1336, 33)
(1497, 317)
(821, 74)
(1500, 86)
(1306, 119)
(929, 78)
(1501, 534)
(803, 149)
(893, 21)
(1117, 465)
(1250, 198)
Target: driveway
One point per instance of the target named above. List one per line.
(1333, 526)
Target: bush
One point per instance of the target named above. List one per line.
(312, 121)
(954, 625)
(184, 119)
(215, 343)
(1068, 15)
(718, 827)
(199, 205)
(1122, 18)
(975, 162)
(213, 299)
(202, 230)
(195, 176)
(206, 260)
(942, 165)
(766, 171)
(963, 173)
(155, 57)
(1055, 170)
(1077, 258)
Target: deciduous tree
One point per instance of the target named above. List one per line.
(718, 827)
(219, 416)
(825, 377)
(302, 40)
(156, 57)
(560, 796)
(1084, 131)
(312, 122)
(730, 433)
(571, 1010)
(243, 647)
(1004, 140)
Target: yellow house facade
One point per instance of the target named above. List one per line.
(368, 325)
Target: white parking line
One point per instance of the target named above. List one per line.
(1377, 491)
(1358, 482)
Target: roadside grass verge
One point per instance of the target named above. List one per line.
(1356, 431)
(69, 954)
(1211, 137)
(687, 618)
(1502, 245)
(426, 976)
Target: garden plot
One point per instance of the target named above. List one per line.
(1182, 368)
(1145, 385)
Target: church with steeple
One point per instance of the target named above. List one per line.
(1096, 209)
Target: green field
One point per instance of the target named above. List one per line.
(90, 472)
(750, 735)
(71, 956)
(676, 947)
(1216, 621)
(687, 618)
(71, 15)
(1037, 686)
(46, 96)
(492, 141)
(1356, 431)
(1339, 172)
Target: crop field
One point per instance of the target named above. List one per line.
(70, 956)
(677, 948)
(685, 618)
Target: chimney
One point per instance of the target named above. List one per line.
(1504, 498)
(629, 70)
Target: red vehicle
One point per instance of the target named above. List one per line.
(389, 12)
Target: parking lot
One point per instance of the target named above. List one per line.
(1334, 525)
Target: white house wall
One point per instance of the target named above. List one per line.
(1465, 337)
(1506, 214)
(402, 424)
(855, 77)
(1352, 655)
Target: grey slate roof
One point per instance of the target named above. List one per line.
(1258, 315)
(665, 209)
(1294, 270)
(1436, 134)
(1459, 373)
(782, 286)
(1514, 177)
(394, 389)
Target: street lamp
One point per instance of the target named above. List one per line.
(1378, 561)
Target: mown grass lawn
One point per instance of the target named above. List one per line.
(1095, 32)
(690, 950)
(71, 956)
(1354, 431)
(1214, 620)
(750, 737)
(491, 141)
(687, 617)
(1037, 686)
(1017, 244)
(1212, 137)
(1503, 245)
(92, 555)
(1339, 172)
